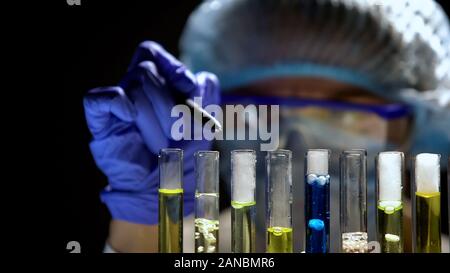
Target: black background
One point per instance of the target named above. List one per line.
(99, 40)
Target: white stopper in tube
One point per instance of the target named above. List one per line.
(243, 175)
(317, 162)
(427, 173)
(390, 176)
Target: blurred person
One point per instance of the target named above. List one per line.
(346, 74)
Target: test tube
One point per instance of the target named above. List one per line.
(317, 201)
(279, 231)
(353, 197)
(390, 177)
(427, 203)
(243, 201)
(206, 202)
(170, 227)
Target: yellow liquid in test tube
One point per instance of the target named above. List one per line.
(279, 240)
(170, 227)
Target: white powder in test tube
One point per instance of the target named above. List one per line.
(317, 162)
(243, 166)
(427, 173)
(390, 176)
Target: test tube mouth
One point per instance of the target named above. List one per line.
(352, 158)
(279, 175)
(280, 152)
(207, 152)
(354, 161)
(239, 151)
(214, 154)
(358, 152)
(353, 190)
(207, 171)
(170, 168)
(172, 152)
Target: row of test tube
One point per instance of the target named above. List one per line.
(353, 201)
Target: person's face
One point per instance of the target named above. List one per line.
(394, 130)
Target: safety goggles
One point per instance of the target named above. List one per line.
(390, 121)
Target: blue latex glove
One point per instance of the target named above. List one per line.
(131, 122)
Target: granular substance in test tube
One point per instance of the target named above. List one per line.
(355, 242)
(206, 235)
(353, 198)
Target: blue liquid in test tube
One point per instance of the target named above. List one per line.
(317, 202)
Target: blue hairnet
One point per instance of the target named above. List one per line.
(399, 50)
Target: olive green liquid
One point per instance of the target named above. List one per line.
(170, 224)
(243, 227)
(390, 229)
(428, 222)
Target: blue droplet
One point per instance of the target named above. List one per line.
(316, 224)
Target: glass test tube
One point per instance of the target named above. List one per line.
(243, 183)
(353, 197)
(170, 225)
(317, 201)
(390, 176)
(279, 231)
(206, 202)
(427, 204)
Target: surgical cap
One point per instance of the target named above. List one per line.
(398, 49)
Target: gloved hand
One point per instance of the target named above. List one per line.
(131, 122)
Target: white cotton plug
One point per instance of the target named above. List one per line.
(317, 162)
(243, 176)
(390, 176)
(427, 173)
